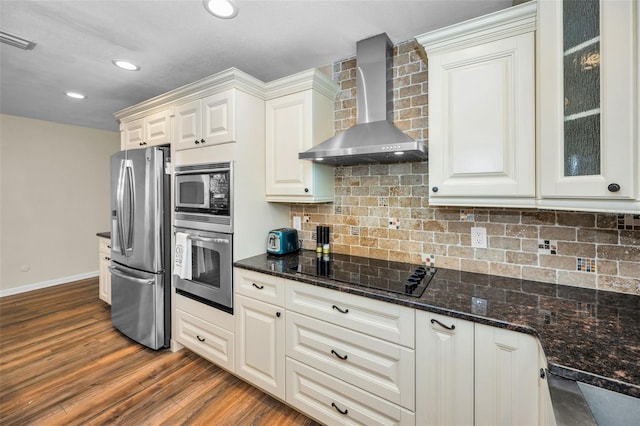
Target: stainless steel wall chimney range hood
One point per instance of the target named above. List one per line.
(374, 139)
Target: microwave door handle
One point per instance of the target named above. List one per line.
(120, 208)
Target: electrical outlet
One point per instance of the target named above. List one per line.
(479, 237)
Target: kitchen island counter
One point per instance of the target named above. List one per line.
(588, 335)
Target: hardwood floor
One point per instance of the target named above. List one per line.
(63, 363)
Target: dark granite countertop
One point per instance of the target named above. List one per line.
(591, 336)
(104, 235)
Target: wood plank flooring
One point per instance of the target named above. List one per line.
(63, 363)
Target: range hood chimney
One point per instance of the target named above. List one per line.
(374, 139)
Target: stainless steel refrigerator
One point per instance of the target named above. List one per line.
(140, 245)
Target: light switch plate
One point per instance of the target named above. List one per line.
(297, 223)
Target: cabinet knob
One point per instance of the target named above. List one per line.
(613, 187)
(434, 189)
(306, 190)
(106, 258)
(202, 141)
(278, 314)
(108, 247)
(197, 142)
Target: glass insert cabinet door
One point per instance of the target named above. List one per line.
(587, 98)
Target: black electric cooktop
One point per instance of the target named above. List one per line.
(397, 277)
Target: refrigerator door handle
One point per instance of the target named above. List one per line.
(132, 203)
(120, 207)
(117, 272)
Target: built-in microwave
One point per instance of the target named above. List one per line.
(204, 196)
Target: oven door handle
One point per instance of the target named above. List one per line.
(117, 273)
(209, 240)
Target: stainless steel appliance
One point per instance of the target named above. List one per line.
(208, 257)
(374, 139)
(282, 241)
(204, 195)
(141, 247)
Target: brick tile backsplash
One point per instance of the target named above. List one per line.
(367, 196)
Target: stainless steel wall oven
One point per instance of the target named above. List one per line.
(204, 233)
(209, 259)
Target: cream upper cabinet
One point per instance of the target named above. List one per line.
(104, 276)
(204, 122)
(151, 130)
(299, 115)
(444, 370)
(482, 110)
(506, 377)
(588, 105)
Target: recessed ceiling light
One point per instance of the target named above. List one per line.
(75, 95)
(125, 65)
(225, 9)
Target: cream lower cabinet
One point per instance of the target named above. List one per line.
(104, 276)
(207, 331)
(470, 373)
(506, 377)
(260, 330)
(444, 370)
(350, 360)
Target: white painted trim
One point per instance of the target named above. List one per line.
(45, 284)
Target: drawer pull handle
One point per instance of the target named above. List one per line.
(340, 310)
(108, 247)
(345, 412)
(259, 287)
(433, 320)
(200, 338)
(338, 355)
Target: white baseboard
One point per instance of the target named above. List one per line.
(45, 284)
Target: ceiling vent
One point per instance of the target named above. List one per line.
(14, 40)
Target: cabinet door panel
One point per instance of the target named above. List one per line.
(260, 351)
(218, 118)
(133, 134)
(187, 125)
(586, 135)
(506, 375)
(288, 133)
(444, 370)
(157, 129)
(482, 110)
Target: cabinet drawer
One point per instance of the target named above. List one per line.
(205, 339)
(321, 396)
(266, 288)
(383, 320)
(104, 245)
(382, 368)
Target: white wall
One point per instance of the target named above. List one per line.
(54, 198)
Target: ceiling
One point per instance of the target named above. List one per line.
(177, 42)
